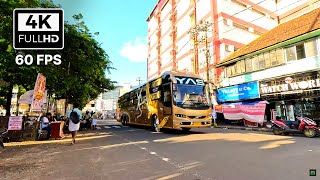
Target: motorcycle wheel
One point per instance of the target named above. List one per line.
(310, 132)
(276, 131)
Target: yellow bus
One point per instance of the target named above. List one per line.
(178, 100)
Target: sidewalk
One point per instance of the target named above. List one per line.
(263, 129)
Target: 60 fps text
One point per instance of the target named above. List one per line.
(39, 59)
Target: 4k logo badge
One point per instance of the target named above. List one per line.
(38, 29)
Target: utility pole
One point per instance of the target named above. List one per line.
(139, 80)
(202, 29)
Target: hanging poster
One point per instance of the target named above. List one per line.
(39, 93)
(15, 123)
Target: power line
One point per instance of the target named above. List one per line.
(236, 28)
(217, 21)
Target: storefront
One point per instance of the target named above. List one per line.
(242, 103)
(292, 96)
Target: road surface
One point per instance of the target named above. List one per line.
(117, 152)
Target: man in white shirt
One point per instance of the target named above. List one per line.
(45, 124)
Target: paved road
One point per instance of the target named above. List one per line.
(117, 152)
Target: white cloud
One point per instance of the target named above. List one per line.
(136, 50)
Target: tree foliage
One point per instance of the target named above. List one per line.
(81, 76)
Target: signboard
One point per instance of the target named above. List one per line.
(15, 123)
(252, 112)
(38, 28)
(239, 92)
(39, 93)
(291, 85)
(189, 81)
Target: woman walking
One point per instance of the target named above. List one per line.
(74, 122)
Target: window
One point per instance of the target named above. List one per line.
(280, 56)
(233, 70)
(273, 58)
(248, 65)
(262, 63)
(255, 63)
(311, 48)
(237, 68)
(301, 54)
(267, 60)
(242, 66)
(166, 94)
(228, 71)
(291, 53)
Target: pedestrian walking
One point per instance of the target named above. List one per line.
(74, 122)
(94, 121)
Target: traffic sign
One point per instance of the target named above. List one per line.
(38, 28)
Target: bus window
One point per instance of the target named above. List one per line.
(166, 95)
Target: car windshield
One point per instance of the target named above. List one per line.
(191, 96)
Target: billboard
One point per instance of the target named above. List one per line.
(239, 92)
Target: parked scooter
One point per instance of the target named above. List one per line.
(2, 136)
(303, 125)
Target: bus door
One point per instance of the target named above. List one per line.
(166, 103)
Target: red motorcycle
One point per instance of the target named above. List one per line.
(303, 125)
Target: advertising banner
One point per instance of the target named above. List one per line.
(15, 123)
(253, 112)
(239, 92)
(39, 93)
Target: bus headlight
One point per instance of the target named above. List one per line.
(181, 115)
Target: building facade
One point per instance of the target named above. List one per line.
(286, 64)
(232, 24)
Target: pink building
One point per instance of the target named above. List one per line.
(235, 23)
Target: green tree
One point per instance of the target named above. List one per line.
(81, 76)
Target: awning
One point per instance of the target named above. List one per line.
(26, 98)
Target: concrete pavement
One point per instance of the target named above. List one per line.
(136, 153)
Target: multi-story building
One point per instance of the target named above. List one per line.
(285, 66)
(234, 23)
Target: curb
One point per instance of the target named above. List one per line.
(245, 128)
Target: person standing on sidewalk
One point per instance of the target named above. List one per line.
(74, 122)
(94, 121)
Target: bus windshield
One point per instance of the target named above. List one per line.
(190, 96)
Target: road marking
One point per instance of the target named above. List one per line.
(165, 159)
(107, 127)
(143, 148)
(310, 150)
(170, 176)
(98, 127)
(116, 126)
(132, 130)
(153, 153)
(125, 126)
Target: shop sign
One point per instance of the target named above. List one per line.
(15, 123)
(290, 85)
(239, 92)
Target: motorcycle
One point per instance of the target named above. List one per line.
(303, 125)
(2, 136)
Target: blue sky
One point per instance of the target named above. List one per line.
(123, 31)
